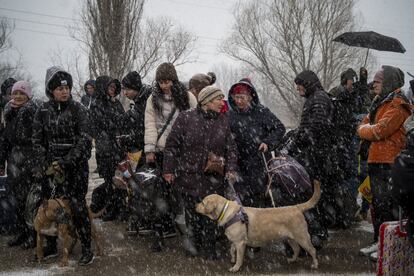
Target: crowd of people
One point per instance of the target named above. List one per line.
(204, 144)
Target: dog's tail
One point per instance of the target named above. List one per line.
(314, 199)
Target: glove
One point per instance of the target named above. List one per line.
(38, 172)
(56, 167)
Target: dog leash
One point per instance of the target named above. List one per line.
(269, 177)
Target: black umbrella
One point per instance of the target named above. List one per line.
(371, 40)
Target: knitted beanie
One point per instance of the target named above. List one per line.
(208, 93)
(60, 79)
(23, 86)
(199, 81)
(132, 81)
(166, 71)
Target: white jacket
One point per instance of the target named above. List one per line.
(154, 123)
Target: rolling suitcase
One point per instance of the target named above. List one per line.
(395, 253)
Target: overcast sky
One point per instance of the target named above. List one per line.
(210, 20)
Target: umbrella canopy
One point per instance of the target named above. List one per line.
(371, 40)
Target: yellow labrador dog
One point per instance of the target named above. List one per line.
(264, 225)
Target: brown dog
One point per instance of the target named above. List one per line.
(265, 225)
(54, 218)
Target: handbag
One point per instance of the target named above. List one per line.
(215, 164)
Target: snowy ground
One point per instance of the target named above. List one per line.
(125, 255)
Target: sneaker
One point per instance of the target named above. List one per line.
(169, 233)
(374, 256)
(87, 258)
(366, 251)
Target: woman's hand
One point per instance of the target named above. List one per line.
(263, 147)
(231, 176)
(150, 157)
(169, 177)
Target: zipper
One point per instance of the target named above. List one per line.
(58, 116)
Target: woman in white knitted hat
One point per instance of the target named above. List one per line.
(198, 138)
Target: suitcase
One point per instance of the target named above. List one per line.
(395, 253)
(7, 208)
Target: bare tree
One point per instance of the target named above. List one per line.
(117, 40)
(280, 38)
(227, 75)
(160, 40)
(72, 63)
(10, 68)
(6, 28)
(109, 33)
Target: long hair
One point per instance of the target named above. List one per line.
(179, 96)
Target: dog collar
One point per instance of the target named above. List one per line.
(221, 216)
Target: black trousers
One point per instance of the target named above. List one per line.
(81, 222)
(203, 229)
(385, 209)
(75, 192)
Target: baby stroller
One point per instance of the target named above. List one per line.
(150, 199)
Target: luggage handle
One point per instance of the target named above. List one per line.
(401, 231)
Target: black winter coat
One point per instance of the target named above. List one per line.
(402, 179)
(313, 137)
(106, 114)
(17, 149)
(194, 134)
(87, 100)
(345, 124)
(132, 122)
(251, 128)
(61, 132)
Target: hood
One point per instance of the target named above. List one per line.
(310, 81)
(393, 79)
(101, 86)
(89, 82)
(247, 82)
(50, 74)
(6, 87)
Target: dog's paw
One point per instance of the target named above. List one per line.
(234, 268)
(291, 260)
(63, 263)
(314, 265)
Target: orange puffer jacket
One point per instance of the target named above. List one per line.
(387, 133)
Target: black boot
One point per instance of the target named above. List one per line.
(87, 257)
(30, 241)
(158, 243)
(17, 240)
(187, 239)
